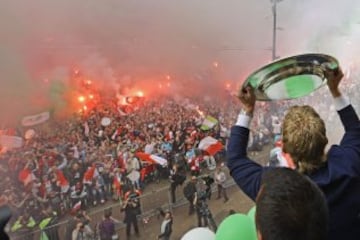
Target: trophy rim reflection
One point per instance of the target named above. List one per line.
(282, 79)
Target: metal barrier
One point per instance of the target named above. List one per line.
(150, 202)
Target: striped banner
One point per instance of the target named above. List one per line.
(35, 119)
(208, 123)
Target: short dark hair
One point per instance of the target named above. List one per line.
(108, 213)
(290, 206)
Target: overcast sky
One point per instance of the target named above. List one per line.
(116, 38)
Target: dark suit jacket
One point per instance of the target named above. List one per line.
(339, 179)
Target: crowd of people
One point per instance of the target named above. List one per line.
(77, 163)
(74, 164)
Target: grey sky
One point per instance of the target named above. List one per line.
(146, 37)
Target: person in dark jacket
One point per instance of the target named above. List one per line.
(337, 172)
(189, 193)
(176, 179)
(166, 225)
(130, 208)
(107, 227)
(173, 182)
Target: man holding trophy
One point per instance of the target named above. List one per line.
(336, 172)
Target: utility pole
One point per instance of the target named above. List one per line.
(274, 6)
(274, 30)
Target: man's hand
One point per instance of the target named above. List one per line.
(336, 77)
(248, 99)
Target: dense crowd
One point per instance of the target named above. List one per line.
(75, 163)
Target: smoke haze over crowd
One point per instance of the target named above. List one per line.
(124, 42)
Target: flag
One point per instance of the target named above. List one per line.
(116, 184)
(142, 174)
(208, 123)
(121, 112)
(113, 137)
(125, 110)
(26, 176)
(35, 119)
(210, 145)
(10, 142)
(151, 158)
(90, 174)
(86, 129)
(149, 148)
(76, 207)
(63, 182)
(116, 133)
(9, 132)
(134, 175)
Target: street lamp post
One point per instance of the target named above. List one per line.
(274, 31)
(274, 2)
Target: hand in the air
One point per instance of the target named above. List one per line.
(247, 98)
(335, 76)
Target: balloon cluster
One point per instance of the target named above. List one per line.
(199, 233)
(238, 227)
(234, 227)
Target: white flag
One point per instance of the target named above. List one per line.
(35, 119)
(86, 129)
(9, 142)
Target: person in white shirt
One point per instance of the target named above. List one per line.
(220, 179)
(276, 127)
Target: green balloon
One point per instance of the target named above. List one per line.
(236, 227)
(251, 213)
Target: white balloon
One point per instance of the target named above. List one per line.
(29, 134)
(105, 121)
(199, 233)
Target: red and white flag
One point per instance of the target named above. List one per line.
(10, 142)
(26, 176)
(116, 133)
(151, 158)
(117, 182)
(210, 145)
(76, 207)
(62, 181)
(90, 174)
